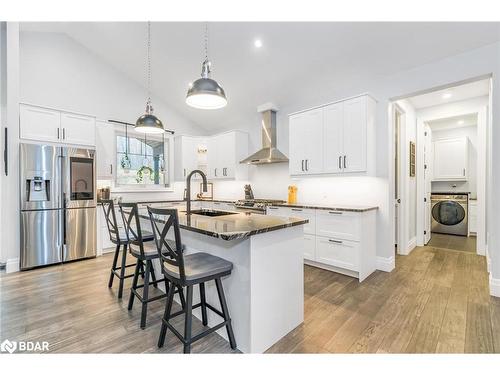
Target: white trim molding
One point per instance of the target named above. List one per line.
(386, 264)
(412, 243)
(494, 287)
(12, 265)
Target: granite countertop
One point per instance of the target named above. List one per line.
(234, 226)
(334, 207)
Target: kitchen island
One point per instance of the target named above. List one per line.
(265, 292)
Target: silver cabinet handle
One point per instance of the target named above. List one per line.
(335, 241)
(302, 161)
(464, 172)
(64, 133)
(57, 133)
(297, 209)
(345, 164)
(111, 169)
(215, 172)
(184, 172)
(335, 212)
(307, 164)
(340, 162)
(272, 208)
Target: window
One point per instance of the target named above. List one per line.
(143, 161)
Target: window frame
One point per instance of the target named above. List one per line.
(168, 151)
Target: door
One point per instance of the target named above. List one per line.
(39, 124)
(226, 154)
(80, 238)
(354, 135)
(79, 186)
(105, 149)
(189, 155)
(41, 241)
(213, 170)
(78, 129)
(333, 150)
(397, 177)
(428, 160)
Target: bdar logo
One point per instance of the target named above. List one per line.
(8, 346)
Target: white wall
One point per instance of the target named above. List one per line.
(467, 186)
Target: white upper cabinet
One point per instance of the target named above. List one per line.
(218, 156)
(306, 139)
(105, 150)
(333, 139)
(39, 124)
(190, 154)
(451, 159)
(78, 129)
(44, 124)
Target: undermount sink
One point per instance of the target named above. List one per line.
(212, 212)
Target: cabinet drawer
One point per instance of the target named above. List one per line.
(307, 214)
(338, 224)
(338, 253)
(309, 247)
(278, 211)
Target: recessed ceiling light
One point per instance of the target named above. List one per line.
(447, 95)
(461, 122)
(257, 43)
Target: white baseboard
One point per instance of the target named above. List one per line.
(386, 264)
(494, 287)
(12, 265)
(412, 243)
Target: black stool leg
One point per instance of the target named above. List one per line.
(142, 270)
(203, 301)
(134, 284)
(153, 276)
(225, 312)
(166, 315)
(145, 295)
(122, 271)
(181, 295)
(189, 319)
(113, 267)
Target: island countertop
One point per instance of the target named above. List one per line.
(333, 207)
(233, 226)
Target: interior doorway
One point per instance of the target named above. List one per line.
(441, 167)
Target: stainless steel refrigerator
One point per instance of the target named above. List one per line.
(58, 204)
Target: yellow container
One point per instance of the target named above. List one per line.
(292, 194)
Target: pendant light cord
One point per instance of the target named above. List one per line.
(149, 61)
(206, 41)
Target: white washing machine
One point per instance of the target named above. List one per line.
(449, 213)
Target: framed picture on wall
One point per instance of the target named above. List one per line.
(412, 159)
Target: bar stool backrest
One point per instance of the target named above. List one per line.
(108, 207)
(132, 222)
(162, 221)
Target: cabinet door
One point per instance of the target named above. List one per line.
(226, 154)
(105, 150)
(189, 155)
(213, 169)
(306, 142)
(450, 159)
(309, 247)
(39, 124)
(78, 129)
(354, 135)
(333, 150)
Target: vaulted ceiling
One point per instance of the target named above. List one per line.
(292, 56)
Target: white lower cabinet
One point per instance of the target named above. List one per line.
(337, 240)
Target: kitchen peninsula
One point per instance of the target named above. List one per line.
(265, 292)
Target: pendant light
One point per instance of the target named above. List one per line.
(149, 123)
(206, 93)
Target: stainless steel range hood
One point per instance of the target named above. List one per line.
(268, 153)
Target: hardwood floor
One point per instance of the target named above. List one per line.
(436, 300)
(449, 241)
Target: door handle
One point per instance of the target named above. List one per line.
(345, 164)
(340, 162)
(398, 200)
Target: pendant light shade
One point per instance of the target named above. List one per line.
(149, 123)
(206, 93)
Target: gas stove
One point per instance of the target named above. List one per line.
(258, 205)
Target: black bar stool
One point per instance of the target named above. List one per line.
(144, 253)
(119, 238)
(188, 271)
